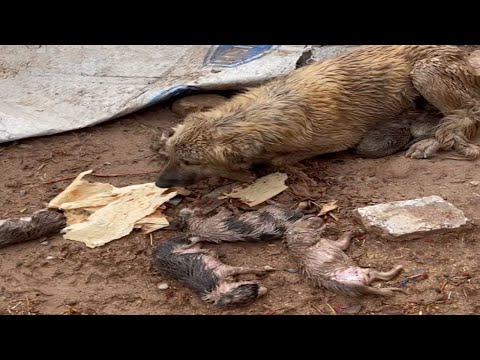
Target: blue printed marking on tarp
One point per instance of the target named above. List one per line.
(170, 92)
(235, 55)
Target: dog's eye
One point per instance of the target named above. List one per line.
(188, 163)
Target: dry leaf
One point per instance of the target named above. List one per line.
(98, 213)
(81, 193)
(330, 206)
(153, 222)
(118, 218)
(261, 190)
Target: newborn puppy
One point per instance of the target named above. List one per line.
(41, 223)
(265, 224)
(204, 273)
(325, 263)
(409, 128)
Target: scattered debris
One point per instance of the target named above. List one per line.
(303, 206)
(221, 190)
(152, 222)
(351, 310)
(392, 310)
(196, 103)
(330, 206)
(261, 190)
(175, 200)
(412, 219)
(98, 175)
(98, 213)
(163, 286)
(459, 278)
(418, 274)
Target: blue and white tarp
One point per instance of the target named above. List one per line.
(48, 89)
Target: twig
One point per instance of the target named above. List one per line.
(442, 288)
(333, 216)
(38, 169)
(28, 305)
(316, 309)
(98, 175)
(57, 180)
(126, 174)
(331, 308)
(415, 276)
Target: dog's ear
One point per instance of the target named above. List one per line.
(160, 145)
(238, 151)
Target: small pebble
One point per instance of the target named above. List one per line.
(163, 286)
(474, 183)
(268, 268)
(175, 200)
(23, 192)
(44, 243)
(304, 205)
(50, 257)
(293, 271)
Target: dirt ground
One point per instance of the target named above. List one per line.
(66, 277)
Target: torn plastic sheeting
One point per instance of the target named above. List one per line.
(48, 89)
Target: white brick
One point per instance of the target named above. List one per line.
(412, 219)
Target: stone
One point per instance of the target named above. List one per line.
(163, 286)
(327, 51)
(412, 219)
(196, 103)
